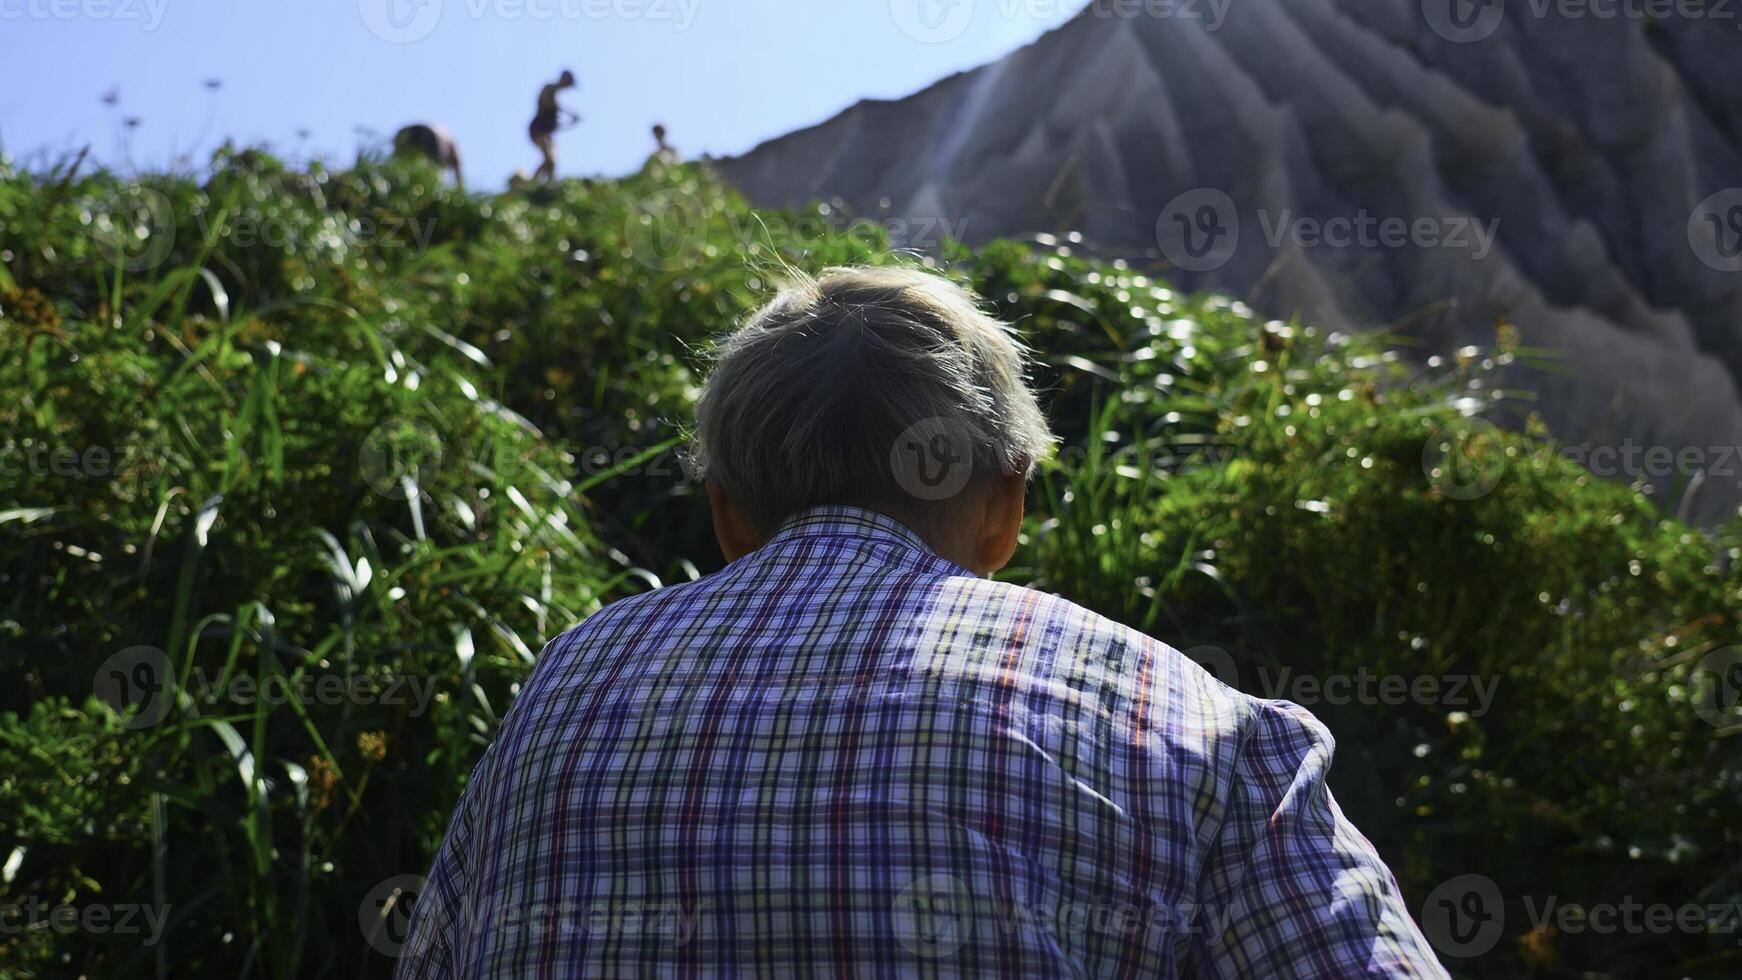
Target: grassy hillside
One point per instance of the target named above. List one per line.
(304, 466)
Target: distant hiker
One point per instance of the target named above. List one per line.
(549, 119)
(433, 143)
(664, 153)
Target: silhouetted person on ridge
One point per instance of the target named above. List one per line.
(433, 143)
(549, 119)
(664, 152)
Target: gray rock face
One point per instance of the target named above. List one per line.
(1346, 162)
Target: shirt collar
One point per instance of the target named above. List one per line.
(842, 521)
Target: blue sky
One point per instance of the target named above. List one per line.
(722, 75)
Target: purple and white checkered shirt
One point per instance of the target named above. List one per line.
(844, 754)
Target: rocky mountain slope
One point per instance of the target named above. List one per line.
(1369, 163)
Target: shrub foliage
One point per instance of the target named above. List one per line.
(306, 464)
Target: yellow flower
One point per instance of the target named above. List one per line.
(372, 745)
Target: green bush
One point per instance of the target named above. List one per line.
(361, 431)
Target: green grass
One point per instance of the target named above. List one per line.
(366, 432)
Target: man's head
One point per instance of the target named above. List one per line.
(883, 388)
(567, 80)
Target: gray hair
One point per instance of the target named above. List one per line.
(885, 388)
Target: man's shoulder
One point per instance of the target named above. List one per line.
(1042, 617)
(962, 618)
(1067, 642)
(1040, 606)
(628, 611)
(1032, 617)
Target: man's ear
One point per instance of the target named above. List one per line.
(731, 528)
(1000, 523)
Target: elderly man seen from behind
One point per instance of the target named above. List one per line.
(851, 752)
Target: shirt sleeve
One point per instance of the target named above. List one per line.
(438, 913)
(1290, 888)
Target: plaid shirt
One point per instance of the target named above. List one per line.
(844, 754)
